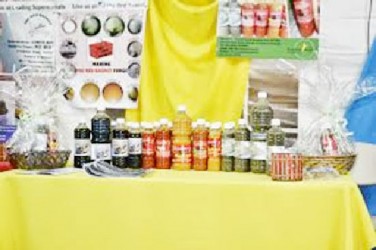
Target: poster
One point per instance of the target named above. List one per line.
(96, 44)
(268, 29)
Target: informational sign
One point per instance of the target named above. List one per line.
(268, 29)
(97, 44)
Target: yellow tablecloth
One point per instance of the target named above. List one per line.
(170, 210)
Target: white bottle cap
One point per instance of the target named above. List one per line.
(276, 122)
(113, 123)
(182, 108)
(194, 125)
(242, 122)
(163, 121)
(136, 125)
(201, 122)
(262, 95)
(216, 125)
(229, 125)
(101, 108)
(120, 121)
(156, 124)
(148, 125)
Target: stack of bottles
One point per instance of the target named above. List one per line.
(183, 144)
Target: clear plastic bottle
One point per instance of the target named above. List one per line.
(276, 140)
(200, 146)
(214, 147)
(182, 144)
(134, 159)
(262, 16)
(148, 146)
(261, 116)
(242, 147)
(163, 145)
(275, 18)
(248, 18)
(82, 145)
(120, 144)
(228, 147)
(101, 136)
(235, 18)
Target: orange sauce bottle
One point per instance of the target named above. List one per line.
(200, 146)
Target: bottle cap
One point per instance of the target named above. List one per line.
(170, 124)
(136, 125)
(142, 124)
(120, 121)
(207, 124)
(163, 121)
(229, 125)
(194, 125)
(101, 108)
(216, 125)
(201, 122)
(148, 125)
(276, 122)
(262, 95)
(113, 123)
(156, 124)
(242, 122)
(182, 108)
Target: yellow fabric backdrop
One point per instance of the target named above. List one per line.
(180, 65)
(170, 210)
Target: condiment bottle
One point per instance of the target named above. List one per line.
(200, 146)
(214, 147)
(163, 148)
(261, 116)
(276, 141)
(101, 136)
(283, 32)
(275, 19)
(248, 18)
(228, 147)
(182, 144)
(120, 144)
(134, 159)
(303, 12)
(242, 147)
(261, 19)
(234, 18)
(148, 146)
(223, 19)
(82, 145)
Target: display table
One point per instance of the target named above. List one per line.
(171, 210)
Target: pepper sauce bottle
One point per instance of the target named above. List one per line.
(200, 146)
(303, 12)
(163, 145)
(275, 19)
(262, 15)
(248, 19)
(284, 32)
(214, 147)
(148, 146)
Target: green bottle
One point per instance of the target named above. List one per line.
(276, 141)
(261, 116)
(242, 147)
(228, 147)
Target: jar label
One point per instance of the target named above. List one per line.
(120, 147)
(163, 148)
(200, 149)
(304, 11)
(182, 153)
(148, 145)
(243, 150)
(82, 147)
(248, 16)
(261, 152)
(261, 17)
(214, 147)
(101, 151)
(135, 146)
(228, 147)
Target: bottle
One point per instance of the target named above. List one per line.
(200, 146)
(163, 145)
(242, 147)
(223, 19)
(148, 146)
(303, 13)
(134, 159)
(182, 144)
(101, 136)
(228, 147)
(214, 147)
(316, 14)
(261, 23)
(120, 144)
(261, 116)
(52, 136)
(82, 145)
(276, 141)
(234, 18)
(275, 19)
(41, 136)
(248, 18)
(284, 30)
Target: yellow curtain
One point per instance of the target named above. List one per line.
(180, 65)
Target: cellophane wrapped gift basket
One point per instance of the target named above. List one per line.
(37, 143)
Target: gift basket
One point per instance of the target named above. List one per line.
(37, 142)
(326, 142)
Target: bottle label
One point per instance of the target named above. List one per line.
(41, 141)
(148, 145)
(82, 147)
(243, 150)
(304, 11)
(101, 151)
(259, 136)
(135, 146)
(223, 17)
(228, 147)
(120, 148)
(163, 149)
(214, 147)
(261, 151)
(101, 129)
(248, 15)
(235, 16)
(261, 17)
(182, 153)
(275, 19)
(200, 149)
(261, 119)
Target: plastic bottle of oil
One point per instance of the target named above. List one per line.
(182, 144)
(214, 147)
(242, 147)
(276, 140)
(200, 146)
(261, 116)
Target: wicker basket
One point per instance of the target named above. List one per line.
(343, 164)
(40, 160)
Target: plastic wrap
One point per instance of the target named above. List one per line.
(36, 99)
